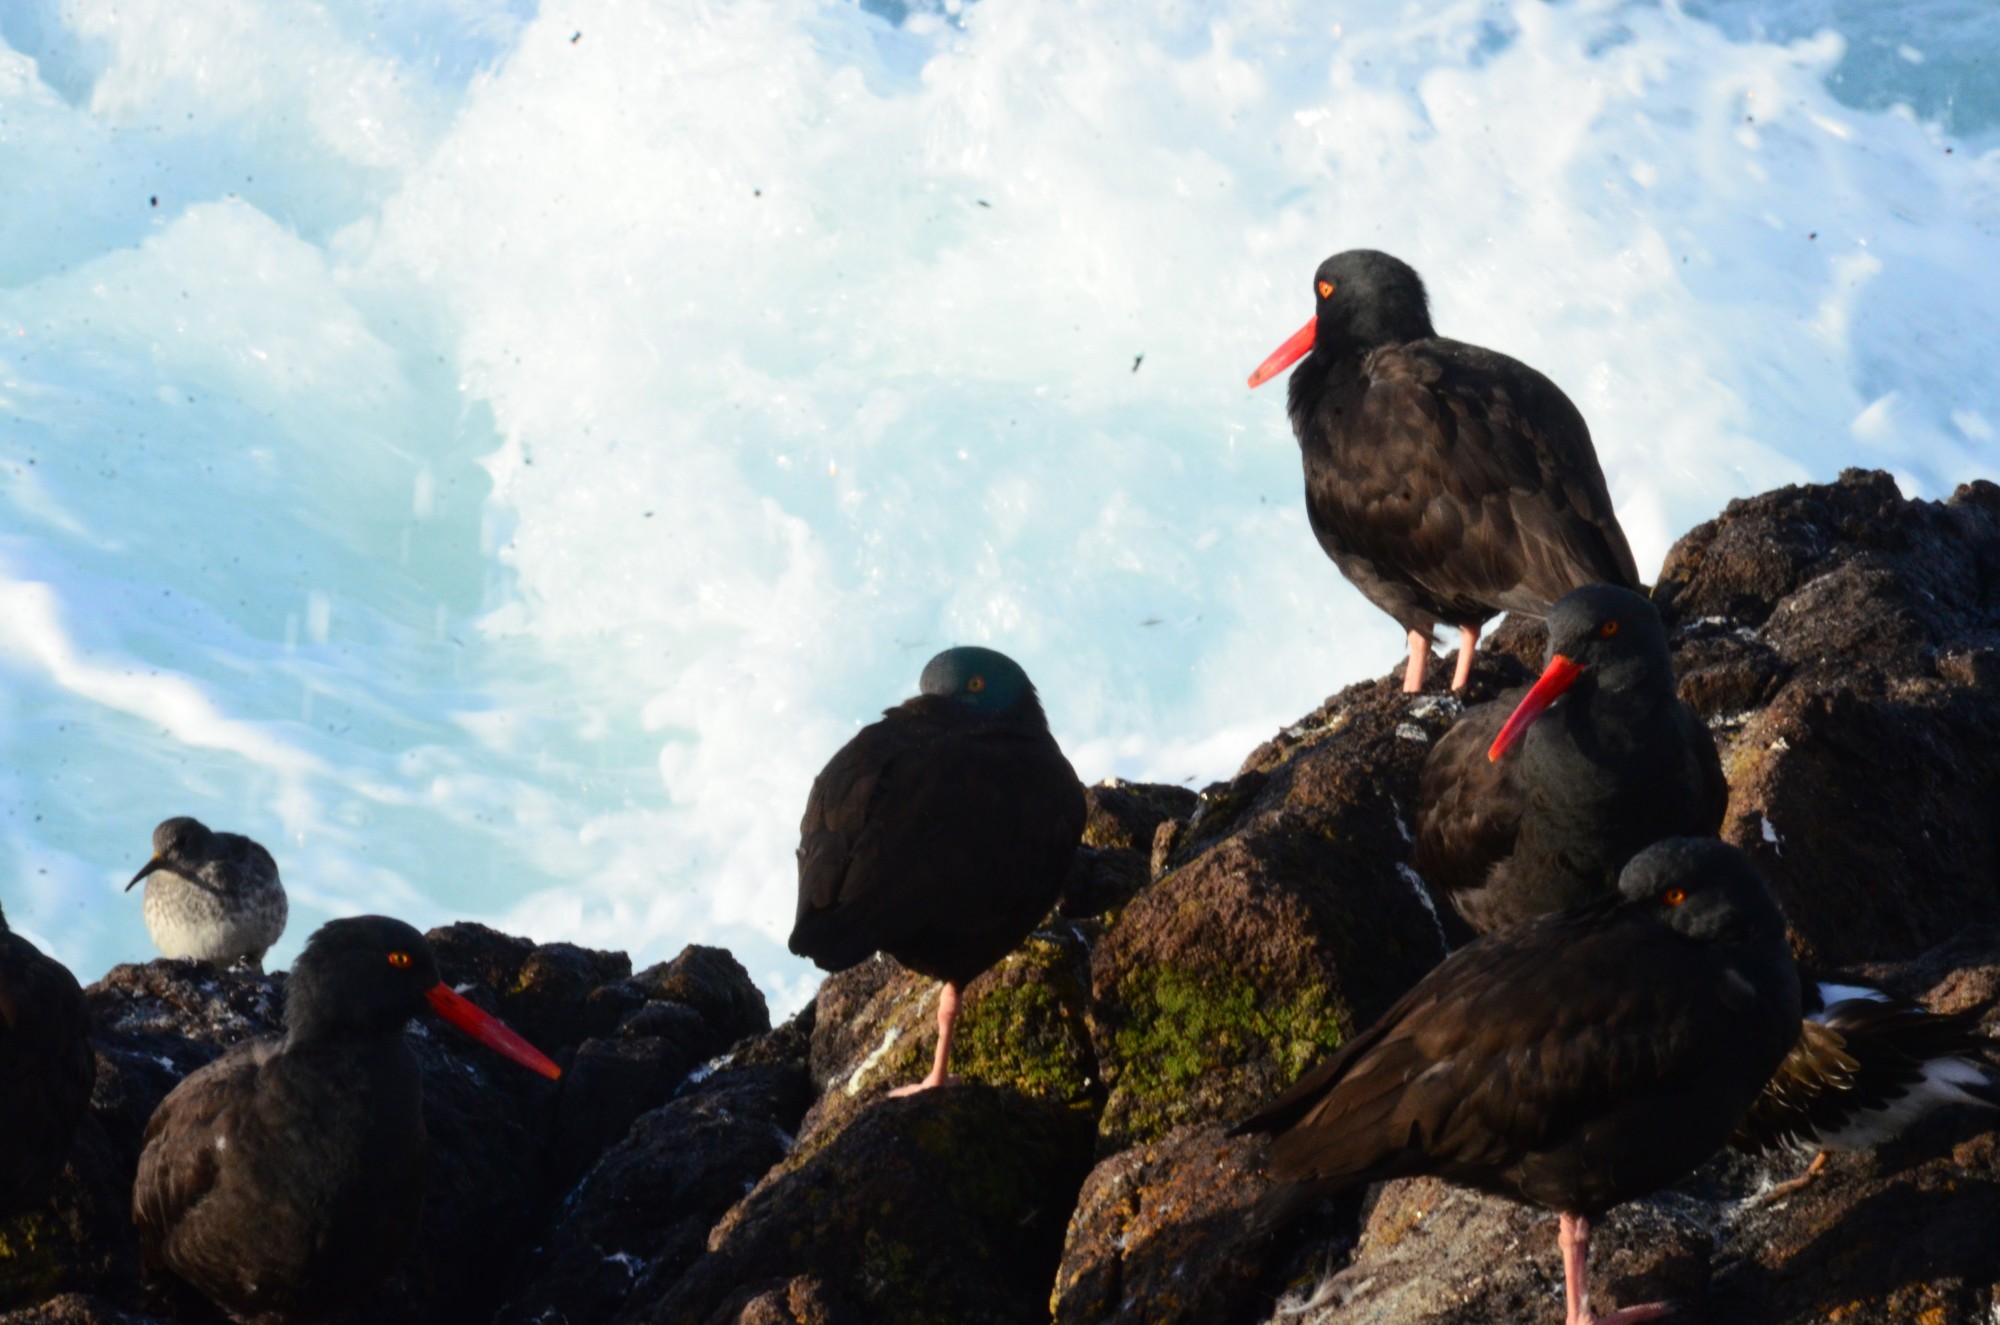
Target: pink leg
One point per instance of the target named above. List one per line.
(947, 1015)
(1420, 658)
(1573, 1235)
(1468, 643)
(1793, 1186)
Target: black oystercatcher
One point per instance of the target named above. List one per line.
(1448, 482)
(941, 834)
(1867, 1065)
(211, 896)
(1573, 1062)
(1609, 761)
(47, 1068)
(285, 1179)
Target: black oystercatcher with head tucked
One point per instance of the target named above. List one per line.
(47, 1068)
(285, 1179)
(941, 834)
(1448, 482)
(1534, 802)
(214, 897)
(1573, 1062)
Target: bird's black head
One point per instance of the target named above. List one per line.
(1608, 629)
(1704, 888)
(1362, 299)
(364, 975)
(1366, 299)
(181, 844)
(369, 975)
(1601, 638)
(982, 680)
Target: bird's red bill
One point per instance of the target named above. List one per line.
(489, 1030)
(1287, 354)
(1560, 674)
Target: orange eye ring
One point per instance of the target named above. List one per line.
(399, 960)
(1608, 629)
(1326, 289)
(976, 684)
(1674, 896)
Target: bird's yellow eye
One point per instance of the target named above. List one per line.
(976, 684)
(1674, 896)
(399, 960)
(1608, 629)
(1326, 289)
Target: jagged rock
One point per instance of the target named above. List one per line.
(1867, 628)
(1286, 921)
(1116, 858)
(805, 1300)
(643, 1213)
(1160, 1235)
(556, 993)
(942, 1208)
(692, 1009)
(1023, 1024)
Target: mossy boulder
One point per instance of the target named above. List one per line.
(942, 1208)
(1287, 921)
(1023, 1025)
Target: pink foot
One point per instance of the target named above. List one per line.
(1628, 1315)
(928, 1083)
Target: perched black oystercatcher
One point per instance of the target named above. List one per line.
(211, 896)
(1609, 761)
(285, 1179)
(1573, 1062)
(47, 1068)
(1448, 482)
(1868, 1064)
(941, 834)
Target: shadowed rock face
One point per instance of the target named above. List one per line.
(694, 1165)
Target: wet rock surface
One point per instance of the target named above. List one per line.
(696, 1165)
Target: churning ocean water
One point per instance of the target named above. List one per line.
(494, 452)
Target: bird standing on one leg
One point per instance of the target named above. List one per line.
(1448, 482)
(940, 835)
(1574, 1062)
(215, 897)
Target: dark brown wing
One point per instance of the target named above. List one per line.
(46, 1068)
(941, 843)
(1515, 1046)
(181, 1163)
(1468, 807)
(1472, 477)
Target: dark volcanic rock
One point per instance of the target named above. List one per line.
(944, 1208)
(1849, 641)
(688, 1011)
(75, 1309)
(642, 1215)
(1287, 919)
(1444, 1255)
(1161, 1236)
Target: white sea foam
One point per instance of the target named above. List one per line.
(494, 454)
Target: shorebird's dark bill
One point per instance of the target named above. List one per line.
(489, 1030)
(1287, 354)
(1560, 674)
(151, 865)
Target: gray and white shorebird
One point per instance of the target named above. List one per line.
(211, 896)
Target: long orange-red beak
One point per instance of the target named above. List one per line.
(1557, 677)
(1287, 354)
(489, 1030)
